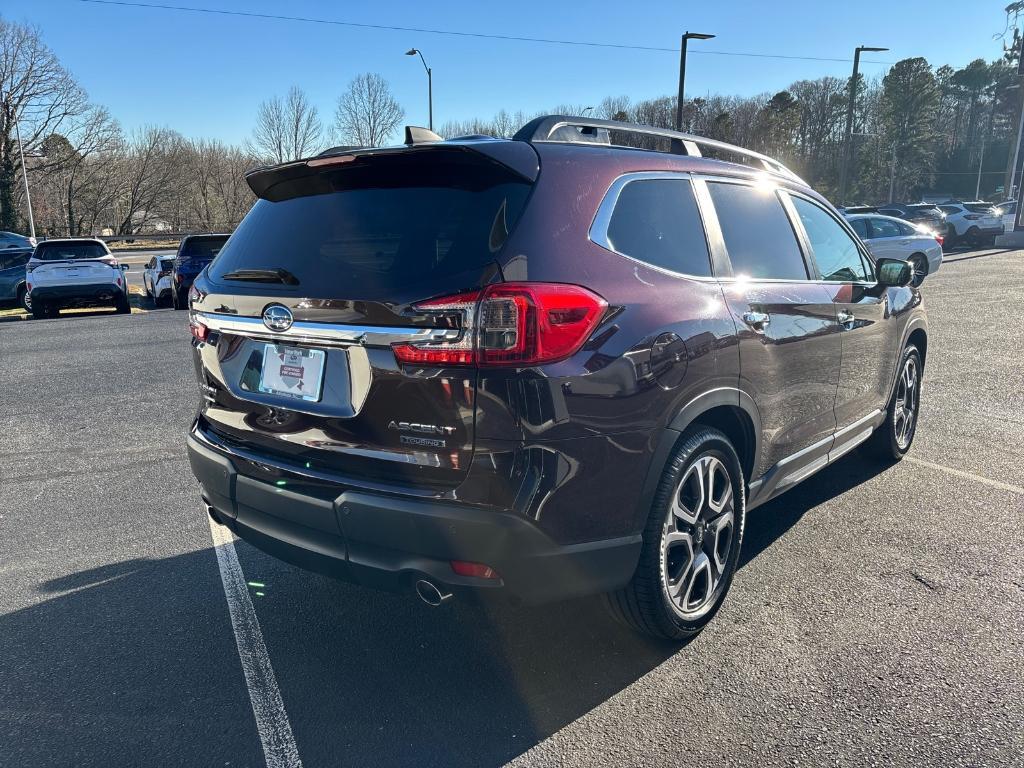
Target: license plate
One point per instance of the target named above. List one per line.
(292, 371)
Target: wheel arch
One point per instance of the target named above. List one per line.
(729, 410)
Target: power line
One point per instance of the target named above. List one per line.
(454, 33)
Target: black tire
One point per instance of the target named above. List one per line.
(950, 241)
(149, 293)
(122, 305)
(973, 236)
(891, 441)
(645, 603)
(920, 264)
(179, 301)
(40, 310)
(24, 300)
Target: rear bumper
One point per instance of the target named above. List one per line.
(389, 542)
(87, 292)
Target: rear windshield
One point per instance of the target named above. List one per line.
(978, 207)
(62, 251)
(388, 224)
(167, 264)
(202, 247)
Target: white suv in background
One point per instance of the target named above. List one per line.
(76, 272)
(974, 222)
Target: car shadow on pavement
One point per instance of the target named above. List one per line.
(137, 658)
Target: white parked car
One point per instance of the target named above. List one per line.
(1008, 213)
(75, 272)
(892, 238)
(973, 222)
(156, 279)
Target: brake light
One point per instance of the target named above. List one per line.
(198, 330)
(477, 570)
(165, 273)
(179, 278)
(940, 239)
(510, 324)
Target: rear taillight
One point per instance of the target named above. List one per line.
(940, 239)
(163, 274)
(179, 277)
(198, 330)
(972, 216)
(510, 324)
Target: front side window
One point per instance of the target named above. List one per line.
(836, 253)
(657, 221)
(757, 233)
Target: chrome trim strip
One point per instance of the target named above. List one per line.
(327, 334)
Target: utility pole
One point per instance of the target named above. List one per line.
(682, 72)
(848, 134)
(24, 175)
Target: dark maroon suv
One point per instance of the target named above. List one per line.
(543, 367)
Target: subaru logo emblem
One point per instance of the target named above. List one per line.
(277, 318)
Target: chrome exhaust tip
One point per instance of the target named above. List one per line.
(430, 594)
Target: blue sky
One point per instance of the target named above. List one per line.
(205, 75)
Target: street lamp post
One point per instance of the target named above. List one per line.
(430, 84)
(24, 175)
(848, 134)
(682, 72)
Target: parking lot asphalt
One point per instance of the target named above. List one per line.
(877, 618)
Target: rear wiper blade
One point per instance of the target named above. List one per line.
(263, 276)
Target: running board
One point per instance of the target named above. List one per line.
(804, 463)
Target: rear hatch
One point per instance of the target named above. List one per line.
(71, 263)
(343, 250)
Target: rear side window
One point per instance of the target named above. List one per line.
(657, 221)
(836, 253)
(860, 226)
(385, 224)
(758, 236)
(949, 209)
(978, 207)
(886, 228)
(12, 260)
(63, 251)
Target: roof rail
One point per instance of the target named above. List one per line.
(552, 128)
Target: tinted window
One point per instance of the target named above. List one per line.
(836, 253)
(202, 247)
(757, 232)
(381, 225)
(55, 251)
(978, 207)
(910, 229)
(885, 228)
(12, 260)
(860, 226)
(657, 221)
(949, 209)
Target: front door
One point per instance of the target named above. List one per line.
(869, 340)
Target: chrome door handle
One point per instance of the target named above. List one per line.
(757, 320)
(846, 319)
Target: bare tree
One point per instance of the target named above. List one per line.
(38, 93)
(287, 129)
(367, 113)
(150, 169)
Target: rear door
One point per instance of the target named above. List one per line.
(12, 273)
(869, 335)
(319, 283)
(788, 337)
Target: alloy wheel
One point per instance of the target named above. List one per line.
(905, 416)
(697, 538)
(920, 270)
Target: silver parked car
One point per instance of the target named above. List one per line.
(892, 238)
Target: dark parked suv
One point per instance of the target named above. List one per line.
(194, 253)
(542, 367)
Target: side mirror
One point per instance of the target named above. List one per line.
(894, 273)
(125, 267)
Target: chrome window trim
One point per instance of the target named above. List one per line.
(598, 232)
(325, 334)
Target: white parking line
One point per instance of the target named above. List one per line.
(967, 475)
(279, 748)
